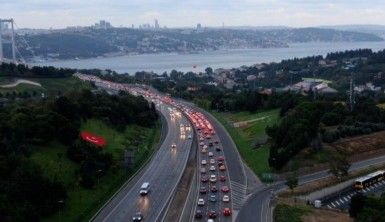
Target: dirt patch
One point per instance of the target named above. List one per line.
(358, 148)
(323, 215)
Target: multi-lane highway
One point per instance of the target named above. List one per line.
(163, 173)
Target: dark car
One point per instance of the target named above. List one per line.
(225, 189)
(137, 217)
(222, 178)
(212, 214)
(218, 149)
(216, 142)
(198, 214)
(211, 144)
(214, 189)
(203, 190)
(213, 198)
(204, 179)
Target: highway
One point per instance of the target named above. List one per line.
(257, 207)
(163, 173)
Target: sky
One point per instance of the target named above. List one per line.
(184, 13)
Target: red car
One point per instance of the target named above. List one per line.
(221, 159)
(225, 189)
(222, 178)
(226, 212)
(212, 214)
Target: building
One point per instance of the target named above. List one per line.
(156, 24)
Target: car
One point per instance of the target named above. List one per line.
(213, 198)
(222, 178)
(204, 179)
(203, 170)
(173, 146)
(201, 202)
(210, 220)
(202, 190)
(204, 150)
(211, 154)
(216, 142)
(212, 168)
(225, 189)
(226, 212)
(189, 136)
(220, 159)
(213, 178)
(211, 144)
(201, 143)
(222, 167)
(208, 137)
(137, 217)
(212, 214)
(204, 162)
(213, 133)
(201, 139)
(205, 147)
(226, 198)
(214, 189)
(212, 161)
(198, 214)
(218, 149)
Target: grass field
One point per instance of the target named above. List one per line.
(82, 204)
(245, 137)
(50, 86)
(284, 213)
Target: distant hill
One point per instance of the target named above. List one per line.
(88, 42)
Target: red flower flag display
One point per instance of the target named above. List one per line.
(94, 139)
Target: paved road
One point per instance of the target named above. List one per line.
(236, 170)
(163, 173)
(257, 207)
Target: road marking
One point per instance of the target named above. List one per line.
(346, 199)
(333, 205)
(329, 206)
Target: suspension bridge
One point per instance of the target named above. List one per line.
(8, 37)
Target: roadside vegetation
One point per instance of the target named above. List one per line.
(82, 203)
(251, 138)
(47, 171)
(284, 213)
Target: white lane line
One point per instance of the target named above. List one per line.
(333, 205)
(346, 199)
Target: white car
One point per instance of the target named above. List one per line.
(212, 161)
(212, 168)
(201, 202)
(204, 162)
(201, 139)
(189, 136)
(226, 198)
(213, 178)
(211, 154)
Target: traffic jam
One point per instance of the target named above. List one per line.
(214, 196)
(214, 192)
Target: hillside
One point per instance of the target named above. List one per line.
(67, 44)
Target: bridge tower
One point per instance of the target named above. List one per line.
(2, 26)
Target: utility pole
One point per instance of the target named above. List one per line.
(351, 93)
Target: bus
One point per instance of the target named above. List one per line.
(368, 180)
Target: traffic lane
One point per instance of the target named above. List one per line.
(234, 162)
(131, 202)
(257, 207)
(219, 205)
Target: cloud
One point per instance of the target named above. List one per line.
(62, 13)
